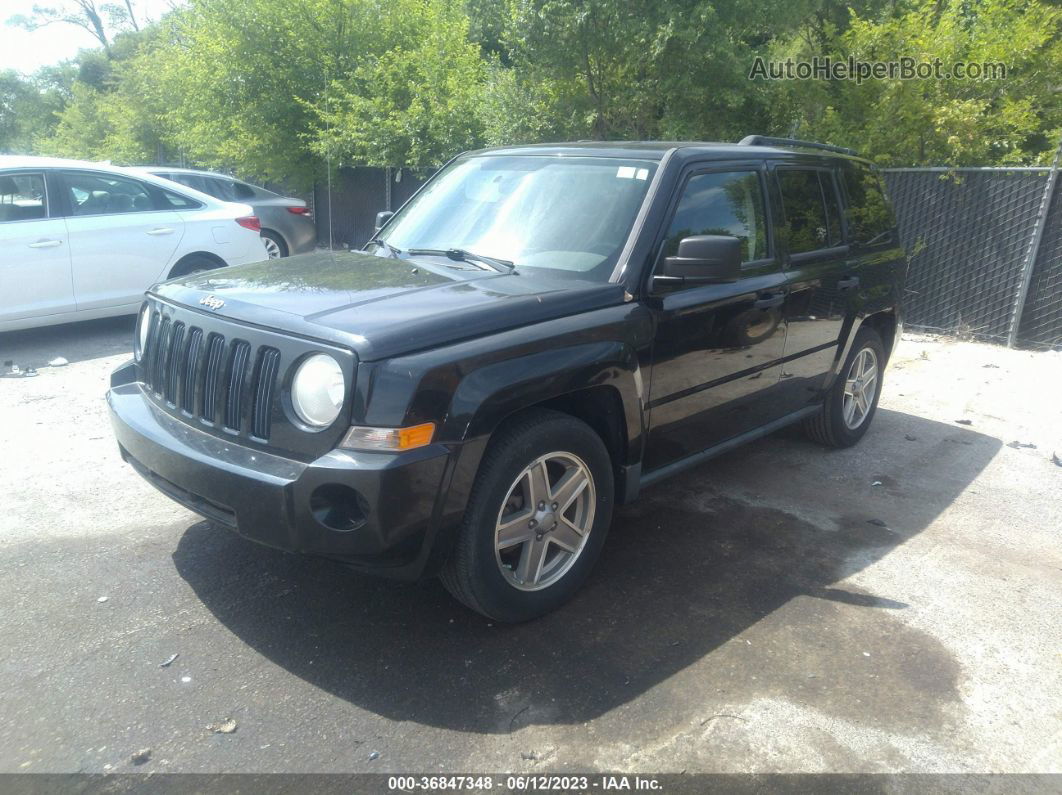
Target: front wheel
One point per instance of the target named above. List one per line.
(851, 402)
(536, 519)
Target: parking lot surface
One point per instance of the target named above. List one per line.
(892, 607)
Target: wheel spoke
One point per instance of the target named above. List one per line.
(864, 406)
(538, 484)
(532, 558)
(849, 410)
(568, 488)
(567, 535)
(513, 529)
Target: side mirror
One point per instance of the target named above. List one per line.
(702, 259)
(381, 219)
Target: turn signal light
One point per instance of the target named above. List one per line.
(393, 440)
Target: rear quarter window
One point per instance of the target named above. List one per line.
(870, 220)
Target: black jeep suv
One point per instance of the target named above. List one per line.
(540, 332)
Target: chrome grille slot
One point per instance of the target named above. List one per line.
(264, 384)
(191, 370)
(158, 358)
(241, 352)
(210, 377)
(174, 363)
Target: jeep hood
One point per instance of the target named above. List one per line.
(381, 306)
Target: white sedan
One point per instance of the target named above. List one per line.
(85, 240)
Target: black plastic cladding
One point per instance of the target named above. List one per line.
(231, 378)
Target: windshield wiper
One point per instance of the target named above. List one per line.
(461, 255)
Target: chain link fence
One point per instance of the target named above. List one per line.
(979, 267)
(986, 252)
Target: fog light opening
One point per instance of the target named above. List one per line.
(338, 507)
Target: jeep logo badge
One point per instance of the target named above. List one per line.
(212, 301)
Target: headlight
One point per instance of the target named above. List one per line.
(143, 326)
(317, 390)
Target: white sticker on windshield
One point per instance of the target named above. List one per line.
(643, 173)
(625, 172)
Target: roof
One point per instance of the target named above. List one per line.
(174, 170)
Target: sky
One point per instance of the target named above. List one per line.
(26, 52)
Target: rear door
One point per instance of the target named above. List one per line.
(35, 278)
(717, 347)
(122, 237)
(821, 280)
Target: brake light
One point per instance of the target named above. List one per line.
(298, 210)
(250, 222)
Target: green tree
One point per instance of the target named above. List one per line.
(632, 69)
(937, 121)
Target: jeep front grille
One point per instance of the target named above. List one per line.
(222, 382)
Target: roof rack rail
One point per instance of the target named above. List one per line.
(765, 140)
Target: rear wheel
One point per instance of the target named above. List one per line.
(536, 520)
(274, 244)
(852, 401)
(194, 263)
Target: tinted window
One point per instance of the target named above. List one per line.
(220, 188)
(242, 191)
(869, 216)
(22, 197)
(179, 202)
(106, 194)
(805, 214)
(196, 183)
(722, 203)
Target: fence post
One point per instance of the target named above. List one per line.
(1034, 249)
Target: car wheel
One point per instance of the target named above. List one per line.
(536, 519)
(274, 245)
(196, 263)
(851, 402)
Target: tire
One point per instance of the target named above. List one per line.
(274, 243)
(195, 263)
(832, 426)
(499, 582)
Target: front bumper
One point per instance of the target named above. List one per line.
(372, 510)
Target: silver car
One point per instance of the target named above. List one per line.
(287, 223)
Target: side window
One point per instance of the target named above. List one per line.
(869, 217)
(833, 208)
(242, 191)
(194, 182)
(179, 202)
(106, 194)
(722, 203)
(22, 197)
(220, 188)
(805, 212)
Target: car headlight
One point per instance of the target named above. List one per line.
(143, 326)
(318, 390)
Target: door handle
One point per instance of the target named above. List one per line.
(46, 244)
(848, 284)
(767, 300)
(161, 230)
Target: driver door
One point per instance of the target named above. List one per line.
(717, 347)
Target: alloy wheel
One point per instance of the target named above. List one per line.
(860, 387)
(544, 521)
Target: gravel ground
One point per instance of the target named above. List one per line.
(894, 607)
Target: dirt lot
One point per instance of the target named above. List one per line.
(895, 607)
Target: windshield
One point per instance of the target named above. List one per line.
(571, 215)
